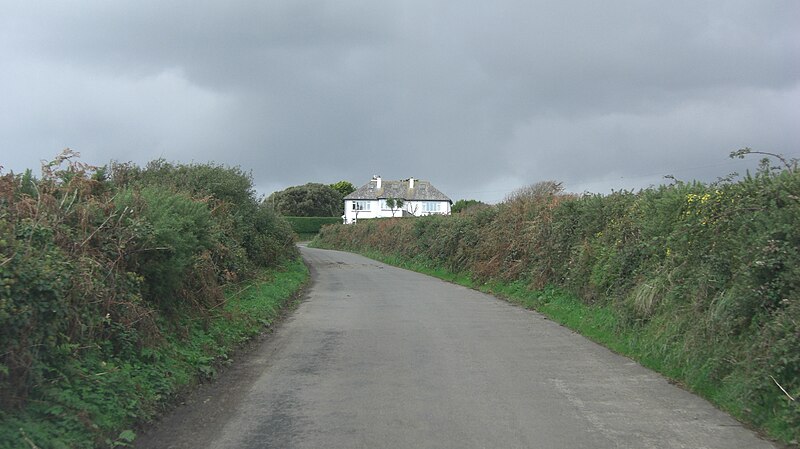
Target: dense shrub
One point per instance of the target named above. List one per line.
(177, 231)
(309, 200)
(462, 205)
(97, 267)
(242, 223)
(706, 276)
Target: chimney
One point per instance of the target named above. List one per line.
(377, 179)
(410, 183)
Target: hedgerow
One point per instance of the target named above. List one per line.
(99, 270)
(702, 279)
(310, 225)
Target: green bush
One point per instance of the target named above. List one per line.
(248, 234)
(273, 239)
(107, 275)
(310, 225)
(309, 200)
(177, 231)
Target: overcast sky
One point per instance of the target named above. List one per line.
(480, 98)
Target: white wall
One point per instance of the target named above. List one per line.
(376, 211)
(351, 215)
(418, 208)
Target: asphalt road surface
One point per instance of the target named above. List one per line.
(380, 357)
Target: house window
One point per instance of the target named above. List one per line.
(361, 205)
(431, 206)
(384, 206)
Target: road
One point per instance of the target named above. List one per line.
(380, 357)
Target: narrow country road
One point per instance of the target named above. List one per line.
(380, 357)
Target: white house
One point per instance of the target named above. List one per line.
(419, 198)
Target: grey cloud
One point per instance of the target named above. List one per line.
(475, 96)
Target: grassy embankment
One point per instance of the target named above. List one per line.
(121, 287)
(699, 282)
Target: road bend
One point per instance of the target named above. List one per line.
(380, 357)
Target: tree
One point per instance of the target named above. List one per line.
(343, 187)
(394, 204)
(309, 200)
(27, 184)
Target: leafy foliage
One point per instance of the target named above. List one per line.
(248, 232)
(344, 188)
(394, 204)
(178, 230)
(97, 269)
(461, 205)
(309, 200)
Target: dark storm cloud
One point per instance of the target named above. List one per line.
(478, 97)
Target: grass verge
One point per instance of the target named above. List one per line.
(102, 392)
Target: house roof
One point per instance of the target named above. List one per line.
(422, 191)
